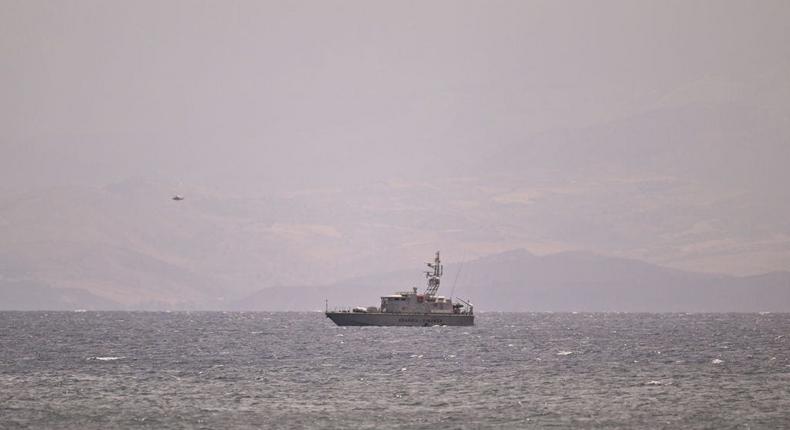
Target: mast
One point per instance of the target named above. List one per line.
(433, 276)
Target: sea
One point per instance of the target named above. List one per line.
(212, 370)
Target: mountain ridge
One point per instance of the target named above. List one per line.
(558, 282)
(131, 245)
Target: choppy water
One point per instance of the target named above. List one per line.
(298, 370)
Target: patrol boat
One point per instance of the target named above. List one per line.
(410, 308)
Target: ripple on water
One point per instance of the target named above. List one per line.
(281, 370)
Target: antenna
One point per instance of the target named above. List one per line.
(455, 281)
(457, 274)
(433, 277)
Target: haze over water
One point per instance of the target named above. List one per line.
(317, 141)
(295, 370)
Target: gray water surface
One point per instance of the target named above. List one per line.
(298, 370)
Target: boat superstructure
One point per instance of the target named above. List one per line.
(411, 308)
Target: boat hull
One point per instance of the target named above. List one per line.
(399, 319)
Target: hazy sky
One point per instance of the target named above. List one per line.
(385, 129)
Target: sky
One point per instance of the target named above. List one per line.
(348, 134)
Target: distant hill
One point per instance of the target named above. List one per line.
(129, 246)
(32, 296)
(132, 245)
(571, 281)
